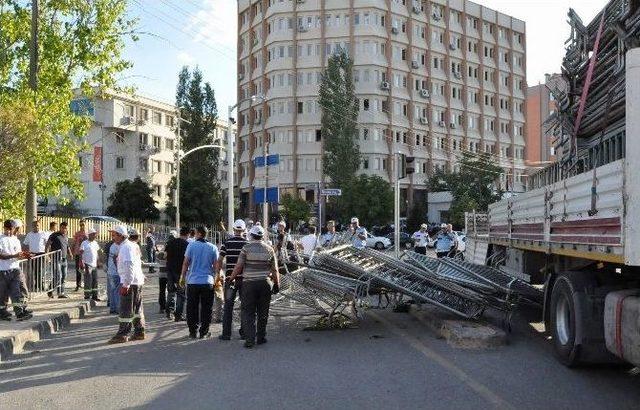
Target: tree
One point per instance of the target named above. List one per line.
(200, 196)
(339, 118)
(294, 209)
(80, 44)
(473, 187)
(370, 198)
(133, 200)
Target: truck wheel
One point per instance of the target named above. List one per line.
(379, 246)
(563, 323)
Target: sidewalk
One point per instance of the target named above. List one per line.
(49, 315)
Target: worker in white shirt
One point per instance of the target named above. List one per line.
(89, 250)
(358, 234)
(35, 243)
(10, 253)
(129, 263)
(421, 239)
(309, 242)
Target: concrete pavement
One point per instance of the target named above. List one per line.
(389, 361)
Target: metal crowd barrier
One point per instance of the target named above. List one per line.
(42, 272)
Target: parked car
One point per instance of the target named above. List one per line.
(405, 240)
(378, 242)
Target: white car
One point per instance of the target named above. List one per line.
(462, 240)
(378, 242)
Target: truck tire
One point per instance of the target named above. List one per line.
(576, 316)
(379, 246)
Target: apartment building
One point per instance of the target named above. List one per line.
(540, 105)
(433, 79)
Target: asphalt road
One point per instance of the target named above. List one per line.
(389, 362)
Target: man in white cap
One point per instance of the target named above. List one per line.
(230, 251)
(131, 281)
(258, 266)
(89, 260)
(10, 253)
(358, 234)
(421, 239)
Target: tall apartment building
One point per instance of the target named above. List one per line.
(132, 137)
(433, 79)
(540, 105)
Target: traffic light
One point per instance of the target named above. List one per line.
(406, 166)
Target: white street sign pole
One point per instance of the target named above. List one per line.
(396, 206)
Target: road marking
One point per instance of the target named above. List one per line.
(464, 377)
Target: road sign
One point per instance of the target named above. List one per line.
(331, 192)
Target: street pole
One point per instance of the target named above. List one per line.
(319, 208)
(396, 206)
(265, 204)
(178, 159)
(230, 169)
(31, 210)
(102, 187)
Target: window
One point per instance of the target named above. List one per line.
(143, 140)
(157, 118)
(168, 168)
(129, 110)
(300, 107)
(157, 190)
(144, 165)
(169, 143)
(119, 137)
(157, 142)
(318, 135)
(365, 104)
(144, 114)
(168, 120)
(119, 162)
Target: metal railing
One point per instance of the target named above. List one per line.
(42, 272)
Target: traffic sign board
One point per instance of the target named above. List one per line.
(331, 192)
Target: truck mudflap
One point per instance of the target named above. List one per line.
(622, 324)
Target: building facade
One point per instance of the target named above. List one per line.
(434, 79)
(540, 105)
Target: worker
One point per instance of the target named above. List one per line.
(421, 239)
(358, 234)
(446, 243)
(258, 266)
(10, 253)
(330, 238)
(89, 251)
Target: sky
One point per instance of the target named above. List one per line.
(202, 33)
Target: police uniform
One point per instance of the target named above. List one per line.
(446, 242)
(421, 239)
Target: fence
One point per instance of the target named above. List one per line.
(42, 272)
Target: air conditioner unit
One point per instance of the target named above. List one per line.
(240, 76)
(457, 75)
(128, 120)
(452, 125)
(394, 30)
(416, 9)
(436, 16)
(302, 29)
(424, 93)
(453, 47)
(441, 124)
(423, 121)
(385, 86)
(414, 64)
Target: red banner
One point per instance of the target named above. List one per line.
(97, 164)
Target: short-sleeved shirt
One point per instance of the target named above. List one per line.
(309, 243)
(421, 238)
(259, 260)
(112, 255)
(90, 252)
(231, 251)
(202, 255)
(36, 241)
(59, 242)
(356, 241)
(9, 245)
(78, 238)
(445, 242)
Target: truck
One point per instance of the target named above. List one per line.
(576, 229)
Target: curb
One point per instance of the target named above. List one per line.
(42, 329)
(464, 334)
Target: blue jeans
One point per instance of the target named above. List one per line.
(113, 292)
(60, 275)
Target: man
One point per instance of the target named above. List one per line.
(260, 278)
(78, 238)
(89, 253)
(199, 261)
(330, 238)
(131, 281)
(162, 278)
(230, 251)
(285, 249)
(10, 253)
(113, 280)
(309, 242)
(175, 250)
(192, 235)
(59, 241)
(151, 249)
(35, 244)
(421, 239)
(358, 234)
(446, 241)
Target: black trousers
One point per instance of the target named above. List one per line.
(199, 308)
(162, 295)
(231, 290)
(256, 298)
(79, 271)
(175, 297)
(422, 250)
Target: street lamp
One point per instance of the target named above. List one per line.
(178, 158)
(230, 140)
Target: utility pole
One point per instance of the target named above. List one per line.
(396, 206)
(177, 194)
(265, 204)
(230, 169)
(31, 210)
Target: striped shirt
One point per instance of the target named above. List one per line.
(231, 250)
(259, 259)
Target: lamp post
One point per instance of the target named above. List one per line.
(230, 154)
(178, 159)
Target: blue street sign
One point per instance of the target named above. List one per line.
(273, 195)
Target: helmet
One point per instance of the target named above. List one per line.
(239, 225)
(354, 220)
(257, 230)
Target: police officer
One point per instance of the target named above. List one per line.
(447, 242)
(421, 239)
(260, 278)
(358, 234)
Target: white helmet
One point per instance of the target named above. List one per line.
(239, 225)
(257, 230)
(354, 220)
